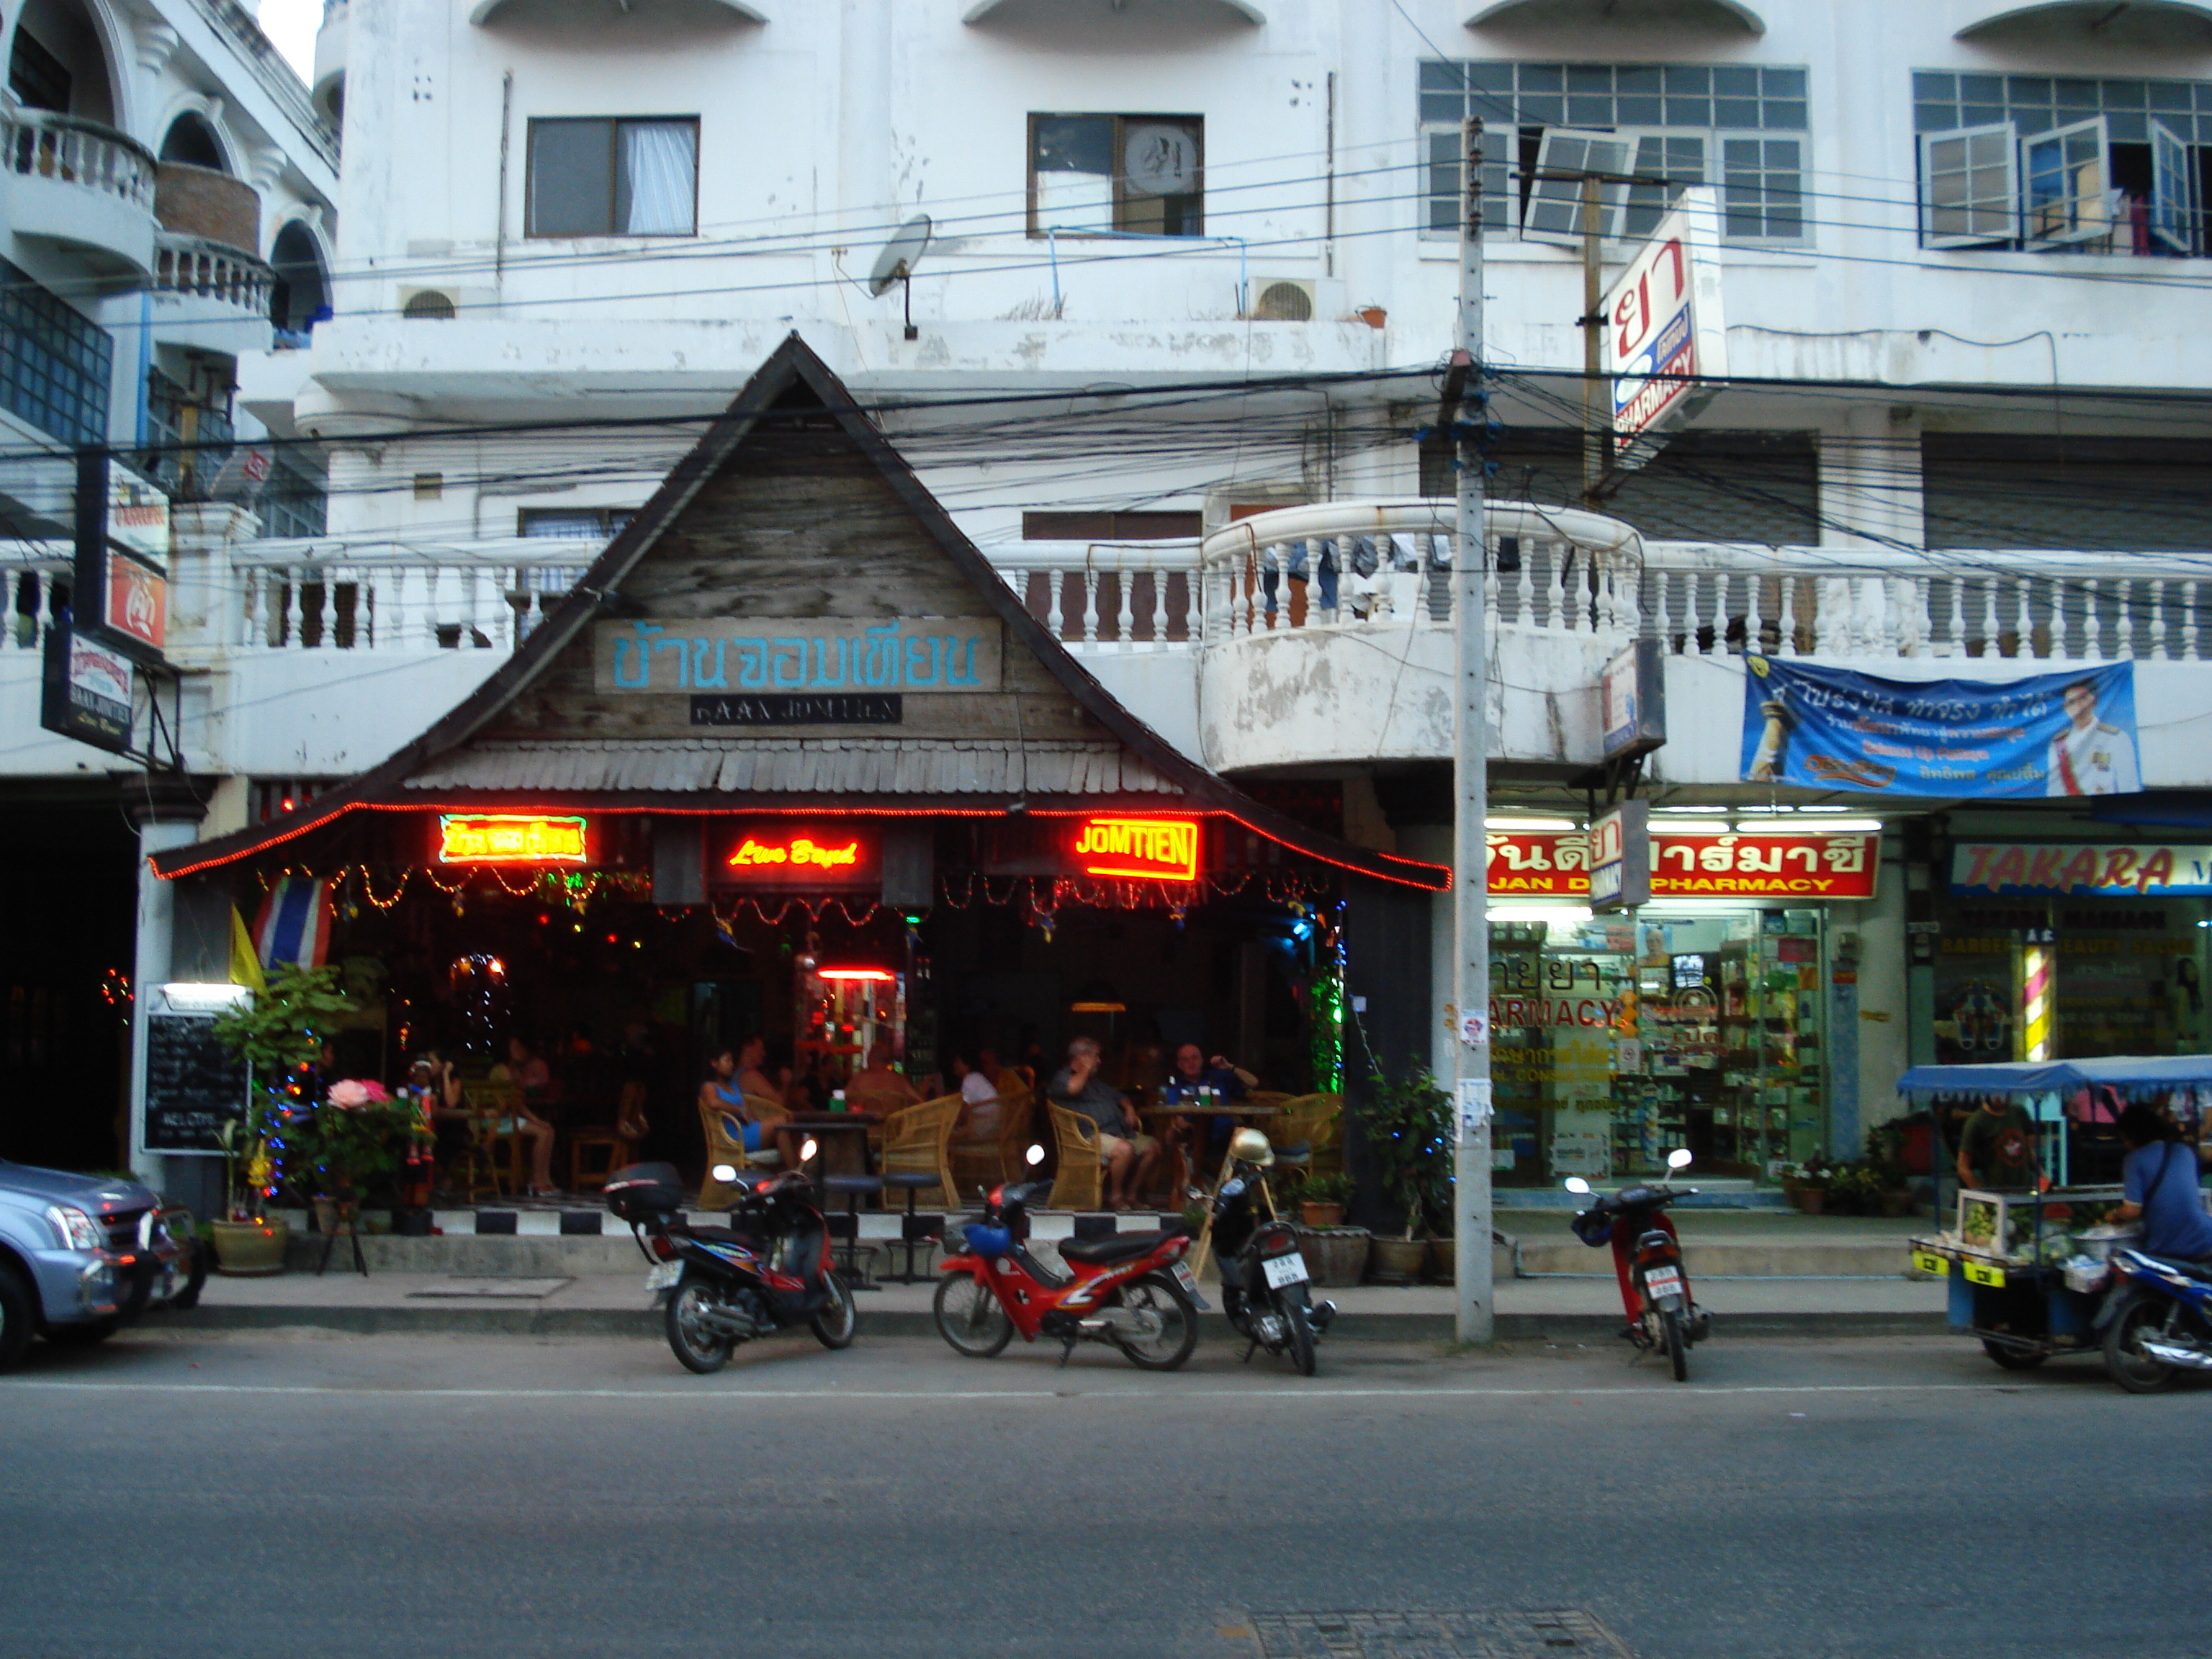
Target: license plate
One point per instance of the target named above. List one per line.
(1980, 1273)
(1281, 1270)
(1927, 1262)
(1664, 1281)
(1184, 1277)
(662, 1277)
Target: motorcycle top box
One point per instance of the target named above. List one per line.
(639, 1191)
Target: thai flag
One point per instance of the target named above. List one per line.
(295, 923)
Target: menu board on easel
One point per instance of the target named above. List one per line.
(194, 1086)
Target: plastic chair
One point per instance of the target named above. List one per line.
(1080, 1183)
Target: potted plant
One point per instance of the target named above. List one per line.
(1322, 1199)
(247, 1244)
(1811, 1179)
(1406, 1125)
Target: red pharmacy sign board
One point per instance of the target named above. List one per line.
(1749, 865)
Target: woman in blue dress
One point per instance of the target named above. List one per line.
(721, 1093)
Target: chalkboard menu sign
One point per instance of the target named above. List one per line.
(194, 1084)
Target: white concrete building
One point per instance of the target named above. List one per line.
(1195, 260)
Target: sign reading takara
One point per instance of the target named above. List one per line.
(815, 654)
(2131, 869)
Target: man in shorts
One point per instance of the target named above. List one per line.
(1126, 1151)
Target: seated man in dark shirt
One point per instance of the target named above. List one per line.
(1126, 1150)
(1194, 1076)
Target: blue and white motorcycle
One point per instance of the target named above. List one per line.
(2157, 1319)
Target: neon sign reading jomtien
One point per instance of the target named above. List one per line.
(1157, 849)
(800, 852)
(510, 838)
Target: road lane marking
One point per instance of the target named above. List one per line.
(832, 1394)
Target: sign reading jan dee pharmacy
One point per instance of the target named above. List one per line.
(2049, 734)
(817, 655)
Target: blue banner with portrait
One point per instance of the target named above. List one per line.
(2049, 735)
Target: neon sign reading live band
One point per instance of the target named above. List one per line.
(510, 838)
(1156, 849)
(801, 851)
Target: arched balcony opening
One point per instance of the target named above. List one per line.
(301, 295)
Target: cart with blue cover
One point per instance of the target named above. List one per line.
(2023, 1271)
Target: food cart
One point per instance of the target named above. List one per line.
(2023, 1269)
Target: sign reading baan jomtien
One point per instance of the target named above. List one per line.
(899, 653)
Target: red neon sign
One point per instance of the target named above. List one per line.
(1155, 849)
(800, 852)
(874, 974)
(804, 856)
(511, 838)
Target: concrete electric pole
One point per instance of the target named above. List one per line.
(1471, 1097)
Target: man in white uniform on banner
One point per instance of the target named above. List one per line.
(2091, 757)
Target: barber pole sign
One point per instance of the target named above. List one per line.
(1666, 347)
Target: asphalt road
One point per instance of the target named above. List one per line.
(359, 1497)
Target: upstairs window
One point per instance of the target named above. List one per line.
(1136, 175)
(614, 176)
(2046, 163)
(55, 363)
(1659, 126)
(572, 523)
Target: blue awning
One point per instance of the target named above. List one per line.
(2126, 1073)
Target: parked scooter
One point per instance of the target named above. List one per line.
(1648, 1258)
(1131, 1290)
(1263, 1276)
(724, 1285)
(2157, 1320)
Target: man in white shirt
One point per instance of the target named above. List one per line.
(2091, 757)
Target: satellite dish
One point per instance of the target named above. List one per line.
(896, 262)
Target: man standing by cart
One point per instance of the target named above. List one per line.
(1996, 1149)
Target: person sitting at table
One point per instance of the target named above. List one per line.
(723, 1091)
(877, 1087)
(750, 1075)
(528, 1072)
(1126, 1151)
(1195, 1075)
(980, 1108)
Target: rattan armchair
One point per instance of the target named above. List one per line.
(1308, 1136)
(916, 1142)
(725, 1145)
(997, 1157)
(1078, 1184)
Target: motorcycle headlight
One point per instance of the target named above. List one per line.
(75, 1230)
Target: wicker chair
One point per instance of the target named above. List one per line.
(725, 1145)
(1308, 1137)
(998, 1156)
(915, 1143)
(1080, 1182)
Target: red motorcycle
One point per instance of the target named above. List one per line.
(1131, 1290)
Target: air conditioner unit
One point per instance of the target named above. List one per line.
(1281, 299)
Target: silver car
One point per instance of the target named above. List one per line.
(82, 1255)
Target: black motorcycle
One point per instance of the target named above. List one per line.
(1634, 1222)
(724, 1285)
(1263, 1275)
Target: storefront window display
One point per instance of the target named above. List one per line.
(1618, 1040)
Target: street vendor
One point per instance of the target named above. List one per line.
(1996, 1148)
(2160, 1172)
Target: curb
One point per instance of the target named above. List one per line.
(645, 1322)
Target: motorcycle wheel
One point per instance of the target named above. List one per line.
(2012, 1358)
(1678, 1353)
(697, 1347)
(1158, 1293)
(834, 1326)
(969, 1318)
(1302, 1336)
(2125, 1362)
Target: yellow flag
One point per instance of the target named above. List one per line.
(245, 961)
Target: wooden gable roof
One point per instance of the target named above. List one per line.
(793, 512)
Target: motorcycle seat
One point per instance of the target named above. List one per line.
(1098, 1251)
(2202, 1269)
(724, 1235)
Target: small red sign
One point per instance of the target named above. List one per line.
(1152, 850)
(813, 856)
(137, 601)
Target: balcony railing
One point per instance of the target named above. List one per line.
(38, 143)
(193, 266)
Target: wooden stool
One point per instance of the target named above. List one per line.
(617, 1150)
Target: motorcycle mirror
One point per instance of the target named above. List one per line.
(1679, 1159)
(1576, 1184)
(807, 1148)
(1034, 1157)
(726, 1172)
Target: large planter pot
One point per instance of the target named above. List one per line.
(1335, 1256)
(1321, 1215)
(1397, 1259)
(1812, 1199)
(1443, 1261)
(250, 1250)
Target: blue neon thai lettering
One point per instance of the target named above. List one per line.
(640, 646)
(934, 654)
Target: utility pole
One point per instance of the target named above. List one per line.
(1471, 1098)
(1593, 457)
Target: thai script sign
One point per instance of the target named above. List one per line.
(1793, 866)
(815, 857)
(2136, 869)
(2047, 734)
(86, 693)
(137, 601)
(1620, 857)
(1158, 849)
(1665, 341)
(941, 655)
(138, 517)
(511, 838)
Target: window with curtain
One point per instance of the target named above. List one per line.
(614, 176)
